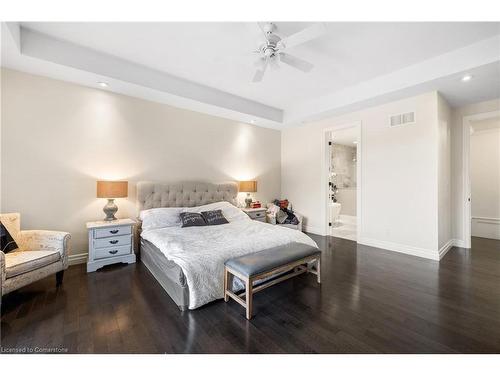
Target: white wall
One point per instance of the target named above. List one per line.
(59, 138)
(399, 183)
(485, 182)
(457, 176)
(444, 175)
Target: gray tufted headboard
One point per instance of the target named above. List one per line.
(183, 194)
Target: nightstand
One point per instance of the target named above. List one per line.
(258, 214)
(110, 242)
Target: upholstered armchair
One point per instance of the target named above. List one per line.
(271, 218)
(40, 253)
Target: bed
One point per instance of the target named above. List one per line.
(189, 262)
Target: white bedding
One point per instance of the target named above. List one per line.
(202, 251)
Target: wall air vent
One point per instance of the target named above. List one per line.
(402, 119)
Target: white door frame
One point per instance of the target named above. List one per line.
(324, 175)
(467, 214)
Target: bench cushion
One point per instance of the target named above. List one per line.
(266, 260)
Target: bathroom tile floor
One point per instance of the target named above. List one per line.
(345, 230)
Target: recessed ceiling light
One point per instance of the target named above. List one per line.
(252, 121)
(466, 78)
(102, 84)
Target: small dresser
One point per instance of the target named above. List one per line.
(110, 242)
(258, 214)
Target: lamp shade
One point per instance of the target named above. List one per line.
(248, 186)
(112, 189)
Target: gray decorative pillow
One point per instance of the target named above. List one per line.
(7, 243)
(192, 219)
(281, 216)
(214, 217)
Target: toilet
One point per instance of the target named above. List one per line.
(335, 208)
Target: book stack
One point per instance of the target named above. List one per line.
(255, 204)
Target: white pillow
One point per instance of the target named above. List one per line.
(230, 212)
(161, 217)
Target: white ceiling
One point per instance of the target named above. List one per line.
(218, 56)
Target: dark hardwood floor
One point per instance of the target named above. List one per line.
(370, 301)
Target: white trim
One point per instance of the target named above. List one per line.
(484, 131)
(493, 220)
(458, 243)
(400, 248)
(445, 248)
(313, 230)
(77, 258)
(359, 174)
(466, 208)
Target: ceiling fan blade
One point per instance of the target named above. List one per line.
(261, 27)
(260, 63)
(274, 62)
(296, 62)
(259, 73)
(309, 33)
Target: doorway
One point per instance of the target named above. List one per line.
(481, 135)
(343, 181)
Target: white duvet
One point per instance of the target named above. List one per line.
(202, 251)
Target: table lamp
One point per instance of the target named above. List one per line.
(111, 190)
(248, 187)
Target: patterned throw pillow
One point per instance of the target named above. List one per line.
(7, 243)
(214, 217)
(281, 216)
(192, 219)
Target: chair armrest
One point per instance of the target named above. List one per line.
(299, 216)
(33, 240)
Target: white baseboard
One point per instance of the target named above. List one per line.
(313, 230)
(458, 243)
(445, 248)
(400, 248)
(486, 227)
(77, 258)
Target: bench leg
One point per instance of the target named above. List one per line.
(226, 297)
(249, 297)
(318, 269)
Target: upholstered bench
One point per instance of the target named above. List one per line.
(277, 261)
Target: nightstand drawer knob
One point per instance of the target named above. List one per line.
(258, 214)
(114, 231)
(113, 251)
(113, 242)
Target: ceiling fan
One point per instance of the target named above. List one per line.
(271, 50)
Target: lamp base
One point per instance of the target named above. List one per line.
(248, 200)
(110, 210)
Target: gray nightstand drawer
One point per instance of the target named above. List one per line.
(257, 215)
(113, 241)
(263, 219)
(110, 243)
(109, 252)
(112, 231)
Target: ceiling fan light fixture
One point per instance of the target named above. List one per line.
(271, 51)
